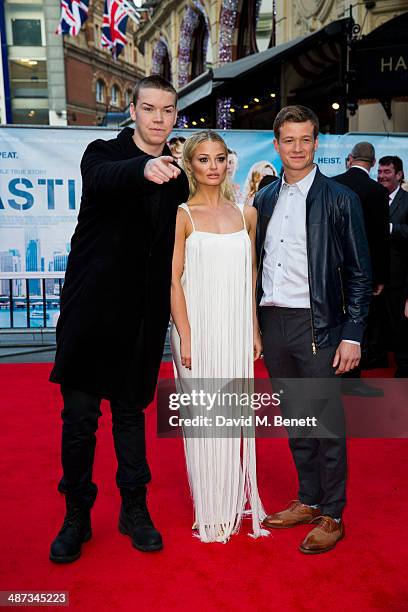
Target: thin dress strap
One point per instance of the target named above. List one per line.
(243, 216)
(185, 207)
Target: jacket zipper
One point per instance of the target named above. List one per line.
(342, 291)
(262, 248)
(314, 347)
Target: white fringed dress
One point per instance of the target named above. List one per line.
(217, 284)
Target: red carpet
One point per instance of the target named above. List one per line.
(367, 571)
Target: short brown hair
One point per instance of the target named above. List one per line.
(154, 82)
(295, 114)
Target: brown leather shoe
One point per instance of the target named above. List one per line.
(323, 537)
(295, 514)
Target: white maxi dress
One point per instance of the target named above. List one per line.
(217, 284)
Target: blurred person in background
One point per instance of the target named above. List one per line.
(176, 145)
(391, 329)
(232, 167)
(374, 202)
(256, 173)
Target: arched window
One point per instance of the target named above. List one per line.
(115, 95)
(100, 91)
(246, 28)
(199, 48)
(166, 67)
(193, 43)
(128, 96)
(161, 62)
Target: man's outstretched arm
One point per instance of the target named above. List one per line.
(102, 174)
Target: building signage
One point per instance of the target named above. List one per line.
(381, 72)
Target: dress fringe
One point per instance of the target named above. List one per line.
(217, 283)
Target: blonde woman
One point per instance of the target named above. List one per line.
(215, 333)
(254, 177)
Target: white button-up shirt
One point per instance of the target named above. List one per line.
(392, 195)
(391, 199)
(285, 280)
(362, 168)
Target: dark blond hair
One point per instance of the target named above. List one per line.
(295, 114)
(190, 146)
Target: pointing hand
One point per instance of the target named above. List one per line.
(161, 170)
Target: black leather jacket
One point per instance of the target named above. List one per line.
(339, 265)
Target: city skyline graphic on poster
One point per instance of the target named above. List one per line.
(40, 190)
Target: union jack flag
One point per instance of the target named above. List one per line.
(73, 14)
(115, 16)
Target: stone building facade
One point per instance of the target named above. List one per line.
(194, 34)
(297, 17)
(184, 37)
(95, 83)
(60, 80)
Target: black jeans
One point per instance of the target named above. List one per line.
(389, 330)
(321, 463)
(80, 422)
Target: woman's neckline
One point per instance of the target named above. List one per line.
(215, 233)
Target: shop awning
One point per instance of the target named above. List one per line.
(196, 90)
(222, 77)
(246, 65)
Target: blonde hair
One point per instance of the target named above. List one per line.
(254, 177)
(190, 146)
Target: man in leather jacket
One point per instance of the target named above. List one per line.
(313, 294)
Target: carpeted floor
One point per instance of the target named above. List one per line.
(367, 571)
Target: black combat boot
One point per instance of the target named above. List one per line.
(135, 521)
(75, 530)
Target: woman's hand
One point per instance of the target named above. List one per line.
(185, 352)
(257, 344)
(406, 309)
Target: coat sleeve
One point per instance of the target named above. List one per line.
(400, 227)
(357, 268)
(400, 230)
(380, 256)
(181, 186)
(109, 176)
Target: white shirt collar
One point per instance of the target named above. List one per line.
(393, 194)
(304, 184)
(361, 168)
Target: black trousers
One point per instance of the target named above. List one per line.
(320, 462)
(80, 422)
(389, 328)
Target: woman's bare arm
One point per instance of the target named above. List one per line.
(178, 301)
(251, 214)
